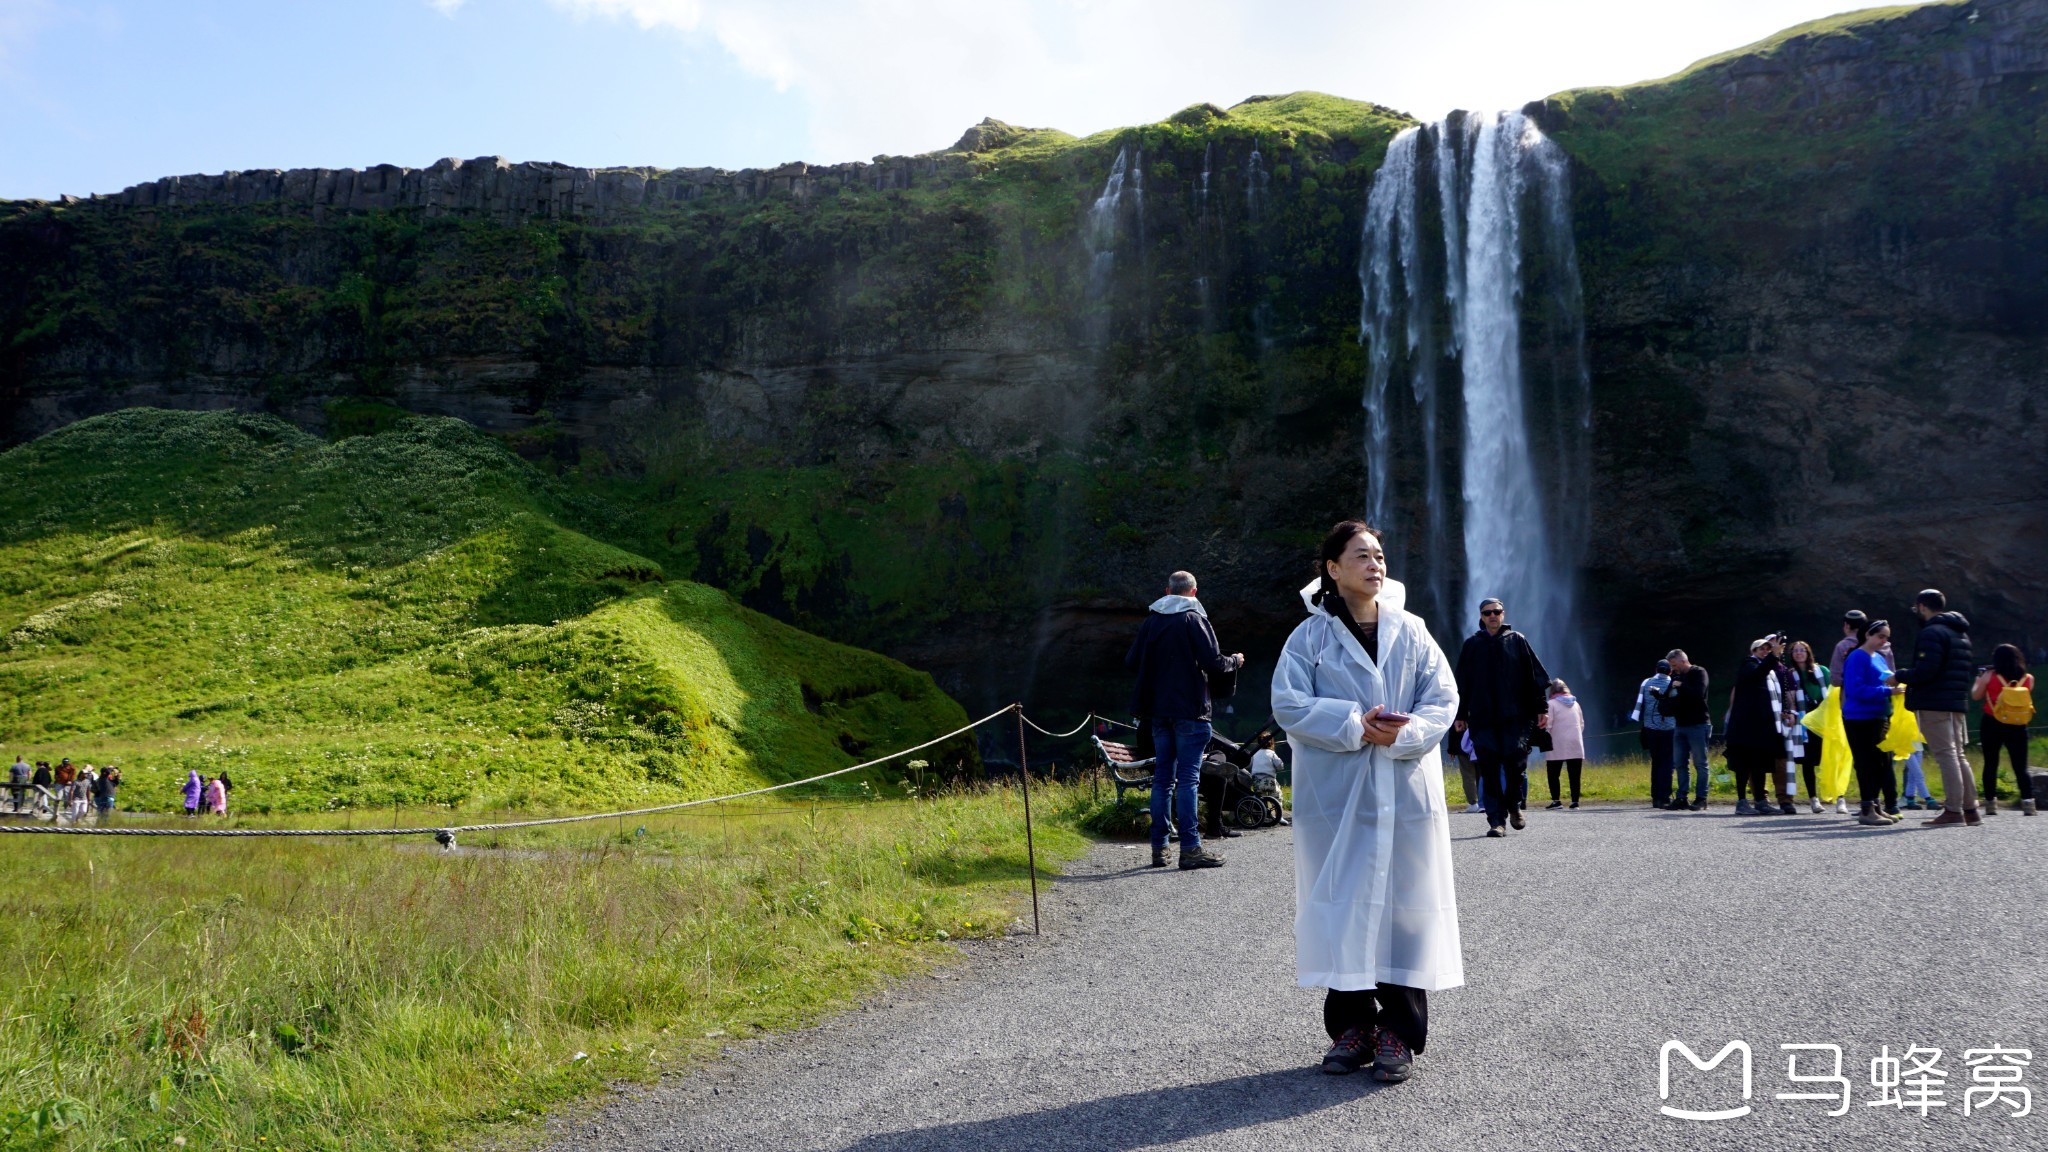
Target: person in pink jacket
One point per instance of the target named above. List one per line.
(1567, 740)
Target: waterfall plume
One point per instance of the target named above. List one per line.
(1499, 462)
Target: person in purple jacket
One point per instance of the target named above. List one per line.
(1866, 717)
(194, 789)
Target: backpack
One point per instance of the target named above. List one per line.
(2015, 704)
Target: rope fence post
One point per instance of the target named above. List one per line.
(1030, 848)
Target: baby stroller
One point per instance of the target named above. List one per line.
(1227, 764)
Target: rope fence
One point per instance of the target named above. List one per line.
(445, 833)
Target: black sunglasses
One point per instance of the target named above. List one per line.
(1490, 611)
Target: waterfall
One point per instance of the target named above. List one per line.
(1255, 180)
(1500, 305)
(1102, 227)
(1202, 186)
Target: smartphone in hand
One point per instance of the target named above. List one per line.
(1394, 717)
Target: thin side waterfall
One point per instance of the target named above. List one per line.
(1498, 304)
(1102, 227)
(1202, 186)
(1256, 179)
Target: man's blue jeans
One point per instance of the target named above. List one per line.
(1176, 772)
(1689, 747)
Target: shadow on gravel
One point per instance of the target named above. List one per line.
(1141, 1119)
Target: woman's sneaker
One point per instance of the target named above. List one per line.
(1555, 804)
(1816, 805)
(1350, 1052)
(1391, 1059)
(1841, 805)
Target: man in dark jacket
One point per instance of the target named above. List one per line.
(1691, 727)
(1501, 698)
(1173, 656)
(1938, 695)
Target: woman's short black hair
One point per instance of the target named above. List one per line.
(2009, 662)
(1864, 630)
(1340, 536)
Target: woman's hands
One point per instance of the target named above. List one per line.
(1382, 730)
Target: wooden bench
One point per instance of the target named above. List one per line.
(1124, 766)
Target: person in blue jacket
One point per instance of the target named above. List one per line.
(1867, 693)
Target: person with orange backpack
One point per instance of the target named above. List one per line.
(2008, 694)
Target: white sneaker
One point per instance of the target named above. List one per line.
(1816, 805)
(1842, 805)
(1470, 808)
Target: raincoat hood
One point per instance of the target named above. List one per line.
(1393, 594)
(1168, 605)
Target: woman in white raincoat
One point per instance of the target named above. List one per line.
(1365, 696)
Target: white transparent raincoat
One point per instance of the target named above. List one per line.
(1372, 836)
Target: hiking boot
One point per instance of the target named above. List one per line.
(1972, 819)
(1496, 832)
(2026, 807)
(1391, 1059)
(1350, 1052)
(1699, 805)
(1515, 819)
(1743, 808)
(1158, 857)
(1870, 817)
(1990, 806)
(1199, 858)
(1945, 820)
(1554, 804)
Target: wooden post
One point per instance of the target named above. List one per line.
(1030, 848)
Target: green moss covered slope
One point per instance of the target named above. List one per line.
(392, 617)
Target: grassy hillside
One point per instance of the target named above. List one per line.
(392, 617)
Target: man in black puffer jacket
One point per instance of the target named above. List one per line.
(1938, 695)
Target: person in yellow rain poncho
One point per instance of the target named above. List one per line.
(1831, 781)
(1814, 682)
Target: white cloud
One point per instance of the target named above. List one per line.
(905, 76)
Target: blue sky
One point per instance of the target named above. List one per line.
(95, 96)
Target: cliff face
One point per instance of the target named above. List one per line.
(1817, 284)
(969, 408)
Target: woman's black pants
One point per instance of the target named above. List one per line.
(1402, 1011)
(1875, 780)
(1752, 769)
(1571, 767)
(2012, 740)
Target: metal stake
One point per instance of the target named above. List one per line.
(1030, 848)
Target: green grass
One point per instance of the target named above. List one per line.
(299, 994)
(393, 617)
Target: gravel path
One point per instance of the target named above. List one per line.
(1159, 1009)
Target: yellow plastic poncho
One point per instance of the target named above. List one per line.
(1831, 782)
(1903, 737)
